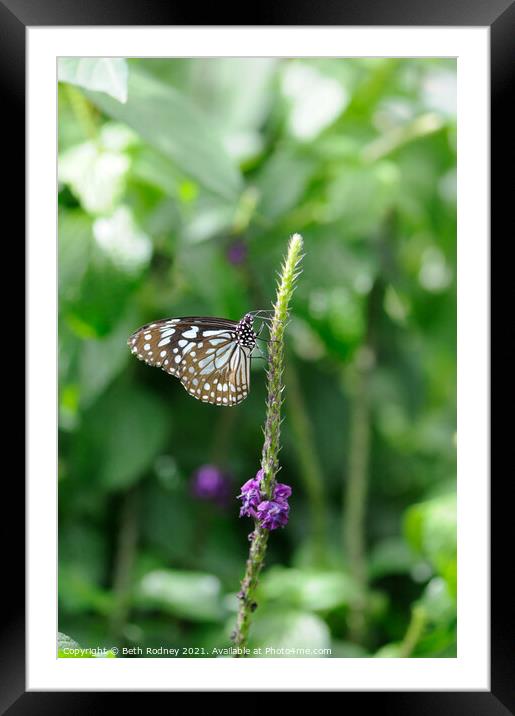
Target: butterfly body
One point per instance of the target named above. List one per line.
(209, 355)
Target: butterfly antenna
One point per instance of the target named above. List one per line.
(261, 310)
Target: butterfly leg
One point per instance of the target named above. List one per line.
(262, 355)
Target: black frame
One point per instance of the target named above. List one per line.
(499, 15)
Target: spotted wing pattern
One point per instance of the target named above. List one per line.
(204, 353)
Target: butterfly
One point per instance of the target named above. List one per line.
(210, 356)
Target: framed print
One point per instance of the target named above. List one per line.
(290, 222)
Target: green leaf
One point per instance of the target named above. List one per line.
(122, 433)
(438, 604)
(83, 561)
(306, 589)
(116, 252)
(413, 526)
(282, 182)
(235, 92)
(439, 607)
(389, 651)
(171, 124)
(190, 595)
(203, 268)
(150, 166)
(315, 99)
(101, 360)
(96, 177)
(103, 74)
(289, 634)
(75, 245)
(211, 218)
(169, 521)
(80, 539)
(122, 241)
(430, 528)
(78, 594)
(362, 195)
(338, 318)
(138, 427)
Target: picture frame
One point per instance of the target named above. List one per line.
(15, 18)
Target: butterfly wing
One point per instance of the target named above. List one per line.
(219, 372)
(204, 353)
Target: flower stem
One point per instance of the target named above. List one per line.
(355, 502)
(272, 436)
(415, 630)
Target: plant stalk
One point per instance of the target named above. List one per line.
(414, 632)
(272, 438)
(355, 500)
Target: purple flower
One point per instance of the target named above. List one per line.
(250, 496)
(211, 484)
(273, 514)
(237, 252)
(270, 514)
(282, 492)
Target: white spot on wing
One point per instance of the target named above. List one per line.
(192, 333)
(221, 360)
(205, 361)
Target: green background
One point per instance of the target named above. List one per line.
(180, 182)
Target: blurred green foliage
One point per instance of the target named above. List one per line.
(179, 184)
